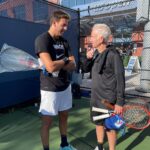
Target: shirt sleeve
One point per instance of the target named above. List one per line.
(41, 45)
(120, 78)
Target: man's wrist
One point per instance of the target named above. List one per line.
(66, 60)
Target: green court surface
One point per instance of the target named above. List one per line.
(20, 130)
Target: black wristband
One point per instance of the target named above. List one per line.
(66, 60)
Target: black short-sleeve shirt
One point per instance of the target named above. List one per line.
(58, 49)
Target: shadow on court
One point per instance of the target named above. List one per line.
(85, 143)
(20, 130)
(137, 140)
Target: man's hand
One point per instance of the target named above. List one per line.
(118, 109)
(90, 53)
(71, 65)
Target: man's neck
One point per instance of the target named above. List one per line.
(102, 48)
(52, 33)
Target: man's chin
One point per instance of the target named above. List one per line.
(61, 33)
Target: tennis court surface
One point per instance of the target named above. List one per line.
(20, 130)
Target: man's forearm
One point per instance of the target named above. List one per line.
(56, 65)
(70, 66)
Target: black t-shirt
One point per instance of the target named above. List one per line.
(58, 49)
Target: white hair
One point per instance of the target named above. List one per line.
(103, 30)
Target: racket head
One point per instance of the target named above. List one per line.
(136, 116)
(137, 101)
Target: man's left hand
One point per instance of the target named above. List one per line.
(71, 65)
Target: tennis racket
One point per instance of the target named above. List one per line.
(106, 113)
(135, 116)
(14, 59)
(138, 101)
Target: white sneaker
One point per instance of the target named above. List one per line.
(96, 148)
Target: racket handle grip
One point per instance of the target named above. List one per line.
(100, 117)
(99, 110)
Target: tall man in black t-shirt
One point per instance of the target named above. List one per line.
(108, 81)
(56, 61)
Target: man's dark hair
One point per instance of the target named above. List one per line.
(57, 15)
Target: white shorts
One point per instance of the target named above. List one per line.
(53, 102)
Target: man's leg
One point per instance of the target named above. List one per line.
(63, 117)
(100, 132)
(46, 124)
(112, 136)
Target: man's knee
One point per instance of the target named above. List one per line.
(63, 114)
(46, 122)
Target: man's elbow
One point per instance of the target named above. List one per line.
(51, 68)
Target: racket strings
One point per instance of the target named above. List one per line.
(139, 103)
(136, 117)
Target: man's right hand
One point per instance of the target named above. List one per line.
(90, 53)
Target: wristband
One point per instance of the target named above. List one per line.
(66, 60)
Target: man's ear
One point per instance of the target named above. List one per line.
(110, 38)
(54, 23)
(101, 38)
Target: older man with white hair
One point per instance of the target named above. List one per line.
(108, 80)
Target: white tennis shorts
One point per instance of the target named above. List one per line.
(53, 102)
